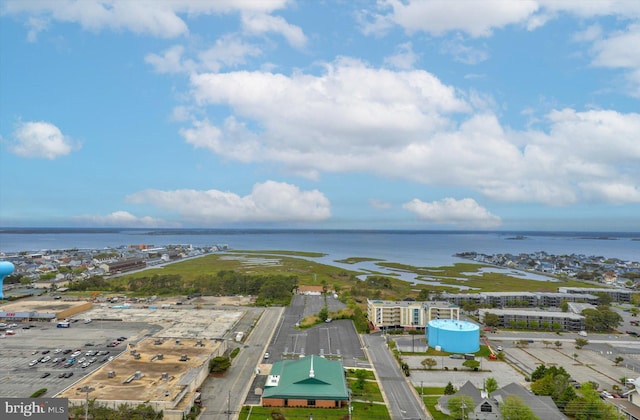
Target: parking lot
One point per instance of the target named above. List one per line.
(332, 339)
(18, 379)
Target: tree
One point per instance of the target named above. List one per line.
(460, 406)
(618, 360)
(558, 344)
(581, 342)
(603, 298)
(449, 389)
(601, 319)
(490, 385)
(429, 362)
(546, 343)
(471, 364)
(564, 306)
(219, 364)
(323, 315)
(589, 406)
(514, 408)
(491, 320)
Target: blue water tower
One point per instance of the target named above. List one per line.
(6, 268)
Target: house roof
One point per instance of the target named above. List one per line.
(311, 377)
(542, 407)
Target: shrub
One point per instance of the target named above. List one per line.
(39, 392)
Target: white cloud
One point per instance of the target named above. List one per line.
(482, 18)
(258, 24)
(408, 125)
(122, 219)
(170, 61)
(476, 18)
(156, 18)
(228, 51)
(466, 213)
(268, 202)
(40, 139)
(463, 53)
(404, 58)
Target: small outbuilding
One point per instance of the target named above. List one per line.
(308, 382)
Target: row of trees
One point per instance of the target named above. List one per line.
(269, 289)
(99, 411)
(583, 405)
(601, 319)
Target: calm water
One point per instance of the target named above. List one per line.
(419, 248)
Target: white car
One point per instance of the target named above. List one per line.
(266, 355)
(499, 348)
(34, 362)
(605, 394)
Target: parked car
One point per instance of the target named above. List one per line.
(46, 374)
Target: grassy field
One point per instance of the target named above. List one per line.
(371, 392)
(471, 275)
(430, 402)
(361, 411)
(309, 272)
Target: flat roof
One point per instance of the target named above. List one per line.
(35, 305)
(150, 386)
(542, 314)
(453, 325)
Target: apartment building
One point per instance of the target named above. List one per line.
(408, 314)
(564, 321)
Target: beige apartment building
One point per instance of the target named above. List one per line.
(408, 314)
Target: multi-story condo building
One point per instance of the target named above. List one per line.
(617, 295)
(524, 299)
(565, 321)
(408, 314)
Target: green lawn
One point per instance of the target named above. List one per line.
(371, 392)
(368, 374)
(430, 402)
(361, 411)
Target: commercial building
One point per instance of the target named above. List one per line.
(42, 310)
(165, 373)
(408, 314)
(565, 321)
(309, 382)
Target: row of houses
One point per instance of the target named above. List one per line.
(608, 270)
(79, 264)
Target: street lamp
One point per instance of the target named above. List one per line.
(87, 389)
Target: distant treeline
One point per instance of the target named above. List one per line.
(269, 289)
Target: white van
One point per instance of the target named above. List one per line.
(582, 333)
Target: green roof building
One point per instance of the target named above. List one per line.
(311, 381)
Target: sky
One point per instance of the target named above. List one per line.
(337, 114)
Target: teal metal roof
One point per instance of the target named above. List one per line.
(311, 377)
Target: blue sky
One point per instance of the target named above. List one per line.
(388, 114)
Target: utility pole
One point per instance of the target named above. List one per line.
(462, 407)
(229, 406)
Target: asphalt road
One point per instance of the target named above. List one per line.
(223, 397)
(402, 400)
